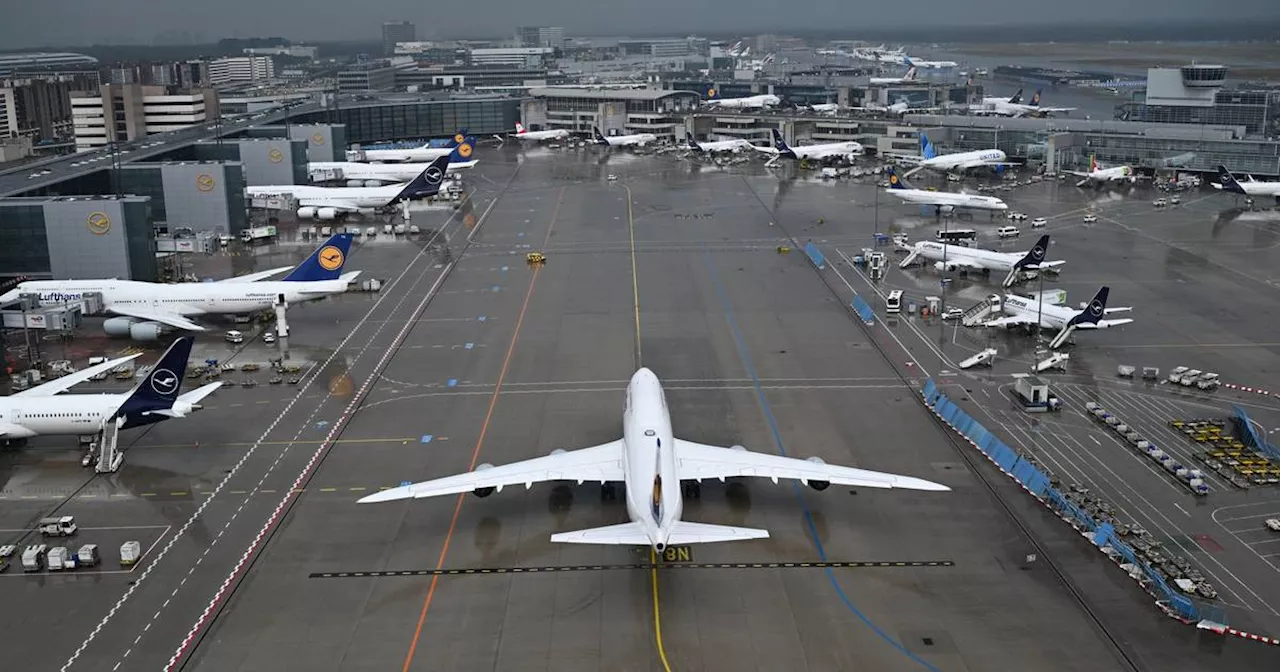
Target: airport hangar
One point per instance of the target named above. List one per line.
(96, 214)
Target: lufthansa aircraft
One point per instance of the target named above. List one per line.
(658, 470)
(1024, 311)
(329, 203)
(961, 258)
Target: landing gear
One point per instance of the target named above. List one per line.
(691, 490)
(608, 492)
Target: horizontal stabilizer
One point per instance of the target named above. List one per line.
(624, 534)
(686, 532)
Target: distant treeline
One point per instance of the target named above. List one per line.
(108, 54)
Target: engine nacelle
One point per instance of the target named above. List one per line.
(373, 183)
(484, 492)
(146, 331)
(943, 266)
(742, 448)
(306, 213)
(558, 451)
(327, 213)
(118, 326)
(355, 183)
(818, 485)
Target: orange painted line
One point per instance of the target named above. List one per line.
(475, 454)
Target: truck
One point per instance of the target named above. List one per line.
(130, 552)
(33, 558)
(57, 558)
(57, 526)
(88, 555)
(255, 233)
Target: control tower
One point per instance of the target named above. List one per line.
(1188, 86)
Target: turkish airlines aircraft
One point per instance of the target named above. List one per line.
(958, 257)
(1021, 310)
(539, 136)
(831, 150)
(942, 200)
(634, 140)
(658, 470)
(43, 411)
(148, 309)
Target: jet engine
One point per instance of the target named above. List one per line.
(355, 183)
(306, 213)
(135, 329)
(818, 485)
(483, 492)
(373, 183)
(945, 266)
(327, 213)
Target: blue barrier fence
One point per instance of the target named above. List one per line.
(815, 255)
(1038, 484)
(864, 310)
(1248, 429)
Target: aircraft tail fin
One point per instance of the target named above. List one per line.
(1036, 255)
(325, 263)
(458, 138)
(927, 150)
(1016, 98)
(519, 128)
(427, 183)
(160, 388)
(693, 144)
(1094, 311)
(1035, 99)
(599, 137)
(462, 152)
(895, 182)
(781, 145)
(685, 532)
(1229, 182)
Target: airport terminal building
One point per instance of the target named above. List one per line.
(614, 111)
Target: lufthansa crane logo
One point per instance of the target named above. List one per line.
(457, 139)
(164, 382)
(330, 258)
(1037, 252)
(317, 138)
(893, 179)
(464, 150)
(275, 155)
(1096, 309)
(434, 175)
(711, 93)
(204, 182)
(99, 223)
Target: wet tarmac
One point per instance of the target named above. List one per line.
(468, 355)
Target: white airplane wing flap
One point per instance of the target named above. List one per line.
(1104, 324)
(700, 461)
(171, 319)
(67, 382)
(254, 277)
(597, 463)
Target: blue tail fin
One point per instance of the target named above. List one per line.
(1035, 99)
(462, 151)
(427, 183)
(325, 263)
(458, 138)
(1093, 312)
(1016, 98)
(895, 182)
(1228, 181)
(1036, 255)
(712, 93)
(599, 137)
(927, 150)
(693, 144)
(160, 388)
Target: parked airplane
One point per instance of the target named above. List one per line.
(1026, 311)
(331, 202)
(380, 174)
(458, 151)
(823, 108)
(1098, 175)
(634, 140)
(832, 150)
(1250, 188)
(745, 103)
(658, 471)
(526, 135)
(713, 147)
(961, 258)
(148, 309)
(960, 161)
(942, 200)
(42, 411)
(908, 78)
(929, 65)
(1013, 108)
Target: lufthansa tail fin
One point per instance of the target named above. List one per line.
(895, 182)
(1229, 182)
(1093, 312)
(599, 137)
(160, 388)
(458, 138)
(325, 263)
(462, 152)
(1016, 98)
(781, 145)
(693, 144)
(1036, 255)
(427, 183)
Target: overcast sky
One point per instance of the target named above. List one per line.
(28, 23)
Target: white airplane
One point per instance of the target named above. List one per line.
(1013, 108)
(759, 102)
(831, 150)
(908, 78)
(1250, 188)
(526, 135)
(1098, 175)
(148, 309)
(658, 471)
(1028, 311)
(960, 161)
(929, 65)
(329, 203)
(824, 108)
(42, 411)
(961, 258)
(942, 201)
(380, 174)
(458, 149)
(634, 140)
(714, 147)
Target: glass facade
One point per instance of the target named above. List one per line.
(1257, 111)
(144, 180)
(383, 122)
(140, 240)
(26, 247)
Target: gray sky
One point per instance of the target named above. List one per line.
(71, 22)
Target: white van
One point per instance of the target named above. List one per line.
(234, 336)
(893, 304)
(1007, 231)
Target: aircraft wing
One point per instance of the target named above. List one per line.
(340, 207)
(1010, 321)
(254, 277)
(171, 319)
(964, 263)
(67, 382)
(978, 163)
(326, 286)
(1078, 173)
(700, 461)
(1045, 264)
(1104, 324)
(597, 463)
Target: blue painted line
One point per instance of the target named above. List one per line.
(453, 382)
(482, 318)
(468, 346)
(426, 438)
(745, 355)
